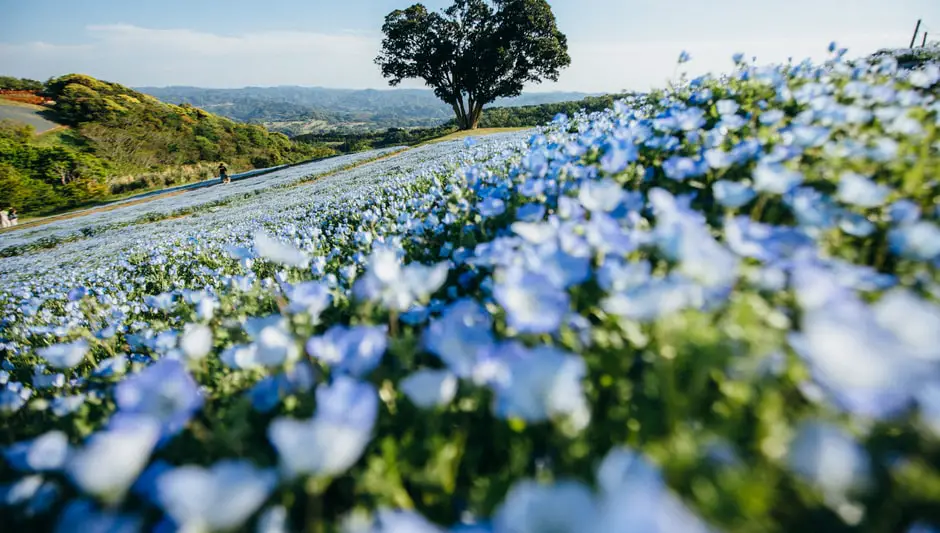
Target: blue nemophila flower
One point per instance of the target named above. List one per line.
(82, 515)
(915, 321)
(680, 168)
(64, 355)
(528, 212)
(732, 194)
(771, 117)
(392, 521)
(110, 460)
(862, 365)
(428, 388)
(460, 336)
(813, 210)
(274, 520)
(727, 107)
(273, 346)
(491, 207)
(928, 403)
(66, 405)
(334, 439)
(354, 350)
(856, 224)
(279, 252)
(241, 356)
(603, 195)
(398, 286)
(161, 302)
(46, 452)
(267, 393)
(309, 297)
(634, 497)
(42, 380)
(716, 158)
(919, 241)
(146, 484)
(617, 275)
(532, 507)
(775, 178)
(532, 303)
(690, 119)
(219, 498)
(77, 294)
(904, 211)
(164, 391)
(13, 398)
(254, 325)
(860, 191)
(196, 341)
(830, 459)
(651, 300)
(562, 269)
(543, 383)
(764, 242)
(684, 57)
(618, 155)
(807, 136)
(32, 495)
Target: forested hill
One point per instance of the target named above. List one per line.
(119, 140)
(310, 109)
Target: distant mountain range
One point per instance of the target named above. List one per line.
(296, 110)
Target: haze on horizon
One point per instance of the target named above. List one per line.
(614, 44)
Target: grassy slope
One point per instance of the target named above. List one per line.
(108, 205)
(473, 133)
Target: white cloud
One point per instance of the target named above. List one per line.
(613, 66)
(142, 56)
(138, 56)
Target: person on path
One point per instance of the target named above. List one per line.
(4, 219)
(223, 173)
(14, 220)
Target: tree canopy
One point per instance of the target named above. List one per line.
(19, 84)
(474, 51)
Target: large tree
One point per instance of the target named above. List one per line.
(475, 51)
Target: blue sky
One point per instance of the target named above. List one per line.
(614, 44)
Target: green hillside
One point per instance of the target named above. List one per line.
(120, 140)
(493, 117)
(318, 110)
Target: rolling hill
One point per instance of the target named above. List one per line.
(119, 140)
(295, 110)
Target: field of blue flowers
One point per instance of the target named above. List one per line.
(711, 308)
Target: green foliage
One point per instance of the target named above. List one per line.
(514, 117)
(42, 179)
(354, 142)
(19, 84)
(473, 53)
(118, 132)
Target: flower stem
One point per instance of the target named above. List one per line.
(315, 488)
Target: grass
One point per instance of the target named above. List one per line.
(473, 133)
(60, 136)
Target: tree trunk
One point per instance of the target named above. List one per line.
(475, 116)
(461, 115)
